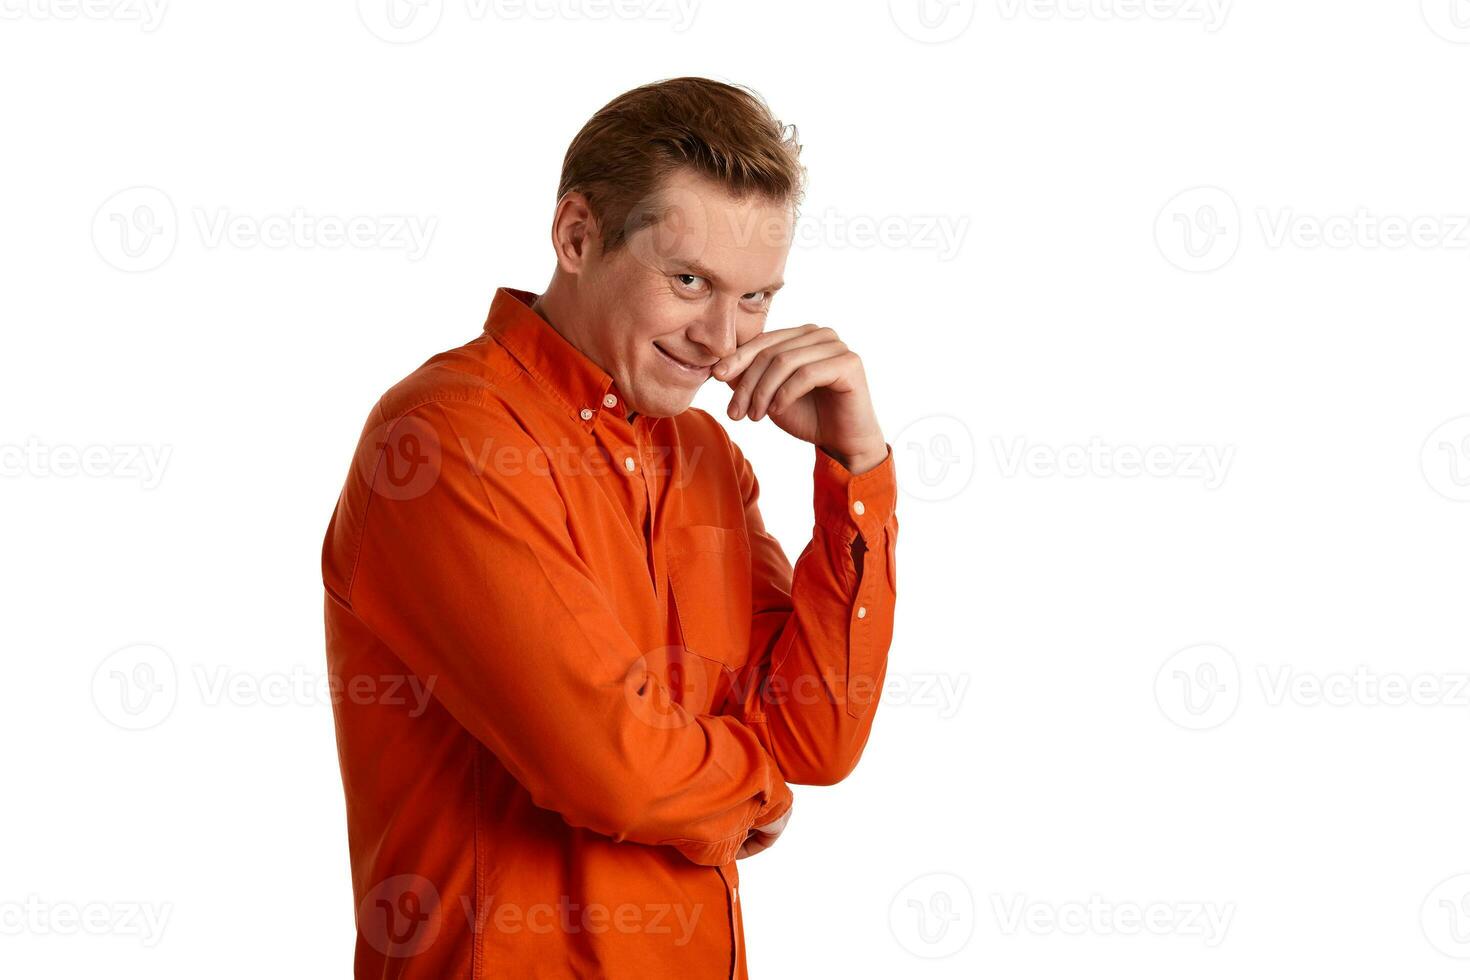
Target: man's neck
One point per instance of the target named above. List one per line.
(551, 307)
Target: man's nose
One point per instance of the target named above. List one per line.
(715, 330)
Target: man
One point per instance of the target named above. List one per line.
(621, 674)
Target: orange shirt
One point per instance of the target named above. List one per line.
(573, 669)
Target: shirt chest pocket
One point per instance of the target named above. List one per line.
(709, 575)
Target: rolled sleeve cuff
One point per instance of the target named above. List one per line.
(844, 502)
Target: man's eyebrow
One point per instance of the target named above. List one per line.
(704, 272)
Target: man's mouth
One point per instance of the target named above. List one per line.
(693, 370)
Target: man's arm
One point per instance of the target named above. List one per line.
(475, 584)
(820, 636)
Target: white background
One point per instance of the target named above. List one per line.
(1106, 232)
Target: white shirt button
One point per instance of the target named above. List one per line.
(862, 611)
(857, 507)
(609, 399)
(628, 463)
(586, 414)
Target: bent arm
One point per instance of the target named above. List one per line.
(820, 635)
(474, 583)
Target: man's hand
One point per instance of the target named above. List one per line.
(812, 386)
(761, 838)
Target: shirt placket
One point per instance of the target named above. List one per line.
(628, 447)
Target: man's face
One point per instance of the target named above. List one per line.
(690, 289)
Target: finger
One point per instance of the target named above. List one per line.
(741, 384)
(810, 366)
(754, 845)
(729, 368)
(818, 374)
(751, 375)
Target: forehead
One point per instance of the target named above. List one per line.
(743, 239)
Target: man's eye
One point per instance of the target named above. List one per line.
(690, 281)
(758, 298)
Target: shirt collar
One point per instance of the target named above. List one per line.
(583, 389)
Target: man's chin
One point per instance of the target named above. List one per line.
(669, 405)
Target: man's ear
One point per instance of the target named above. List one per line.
(573, 232)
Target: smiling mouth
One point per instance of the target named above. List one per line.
(691, 369)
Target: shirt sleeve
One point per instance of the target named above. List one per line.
(821, 634)
(472, 579)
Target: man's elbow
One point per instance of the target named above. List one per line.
(616, 809)
(826, 770)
